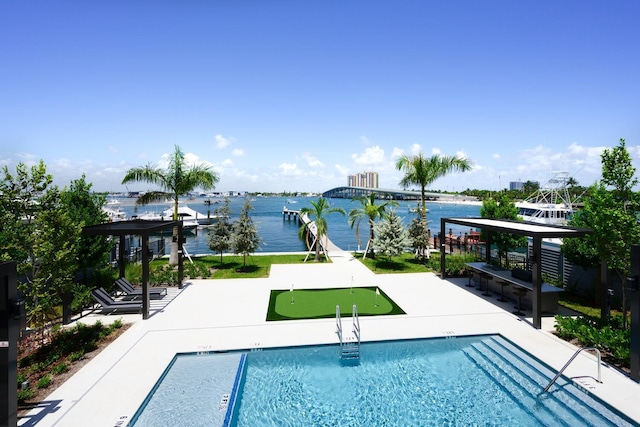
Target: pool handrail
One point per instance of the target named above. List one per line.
(571, 360)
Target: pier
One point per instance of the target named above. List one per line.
(325, 243)
(291, 214)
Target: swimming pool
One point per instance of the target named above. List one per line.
(454, 381)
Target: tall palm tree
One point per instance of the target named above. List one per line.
(317, 215)
(177, 180)
(369, 211)
(423, 171)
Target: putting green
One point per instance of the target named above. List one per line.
(321, 303)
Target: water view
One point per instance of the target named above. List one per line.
(281, 235)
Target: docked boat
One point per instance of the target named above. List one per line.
(550, 205)
(114, 211)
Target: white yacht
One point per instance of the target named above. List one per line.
(549, 205)
(114, 211)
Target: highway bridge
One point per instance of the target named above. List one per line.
(386, 193)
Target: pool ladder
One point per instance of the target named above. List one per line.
(349, 349)
(569, 362)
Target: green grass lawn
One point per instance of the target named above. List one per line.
(321, 303)
(256, 265)
(403, 263)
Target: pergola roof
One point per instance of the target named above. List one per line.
(124, 228)
(522, 228)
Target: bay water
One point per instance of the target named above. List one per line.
(280, 234)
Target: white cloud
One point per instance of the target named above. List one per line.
(238, 152)
(371, 156)
(221, 141)
(435, 151)
(227, 163)
(495, 156)
(312, 161)
(290, 169)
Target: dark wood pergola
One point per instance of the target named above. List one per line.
(536, 231)
(143, 229)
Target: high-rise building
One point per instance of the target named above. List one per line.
(365, 179)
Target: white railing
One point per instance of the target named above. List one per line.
(338, 324)
(356, 323)
(569, 362)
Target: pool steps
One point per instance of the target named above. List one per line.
(524, 378)
(350, 346)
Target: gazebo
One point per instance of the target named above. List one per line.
(143, 229)
(534, 230)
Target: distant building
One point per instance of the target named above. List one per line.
(516, 185)
(519, 185)
(365, 179)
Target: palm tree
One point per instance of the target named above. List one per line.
(369, 211)
(178, 180)
(423, 171)
(317, 215)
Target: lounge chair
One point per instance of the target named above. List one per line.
(132, 293)
(109, 305)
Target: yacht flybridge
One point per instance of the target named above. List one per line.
(549, 205)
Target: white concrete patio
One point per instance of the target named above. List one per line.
(230, 314)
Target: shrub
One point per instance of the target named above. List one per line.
(75, 356)
(455, 264)
(595, 332)
(24, 395)
(44, 382)
(60, 368)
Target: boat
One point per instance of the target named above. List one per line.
(114, 211)
(550, 205)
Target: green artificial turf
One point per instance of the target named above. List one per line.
(321, 303)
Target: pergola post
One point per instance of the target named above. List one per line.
(145, 276)
(536, 270)
(443, 256)
(121, 257)
(180, 256)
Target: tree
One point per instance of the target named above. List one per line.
(38, 233)
(221, 232)
(391, 237)
(85, 207)
(176, 181)
(419, 239)
(369, 211)
(317, 215)
(502, 207)
(530, 187)
(610, 212)
(245, 238)
(422, 171)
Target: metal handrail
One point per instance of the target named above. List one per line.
(338, 324)
(356, 323)
(569, 362)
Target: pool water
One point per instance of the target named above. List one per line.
(481, 380)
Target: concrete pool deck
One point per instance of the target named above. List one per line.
(230, 314)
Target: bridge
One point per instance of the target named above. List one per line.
(385, 193)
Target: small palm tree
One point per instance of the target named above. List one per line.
(178, 180)
(317, 215)
(369, 211)
(423, 171)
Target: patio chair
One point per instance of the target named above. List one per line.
(109, 305)
(132, 293)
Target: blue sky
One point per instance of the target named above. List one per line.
(296, 95)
